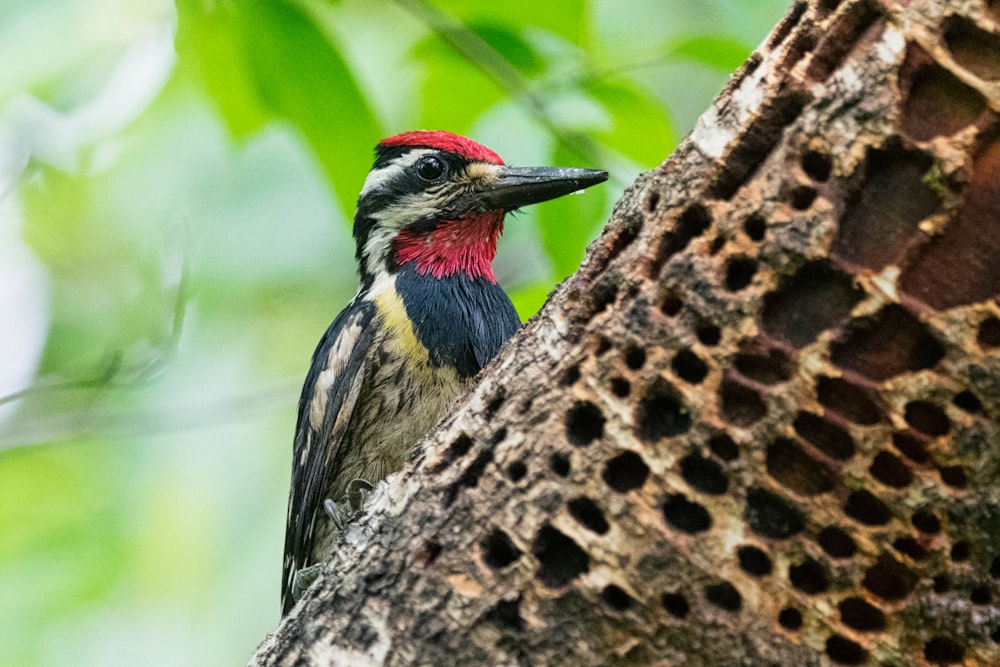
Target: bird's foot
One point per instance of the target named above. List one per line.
(357, 491)
(337, 514)
(305, 578)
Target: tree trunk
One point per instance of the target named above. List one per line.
(760, 424)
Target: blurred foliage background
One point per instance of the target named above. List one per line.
(176, 190)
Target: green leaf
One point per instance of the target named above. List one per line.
(209, 42)
(565, 19)
(569, 223)
(509, 44)
(282, 66)
(720, 52)
(529, 298)
(455, 92)
(642, 129)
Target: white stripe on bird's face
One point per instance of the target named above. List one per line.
(377, 177)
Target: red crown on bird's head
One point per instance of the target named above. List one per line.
(446, 141)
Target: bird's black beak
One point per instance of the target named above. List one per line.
(514, 187)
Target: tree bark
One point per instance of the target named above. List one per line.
(760, 424)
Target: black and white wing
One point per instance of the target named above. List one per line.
(328, 398)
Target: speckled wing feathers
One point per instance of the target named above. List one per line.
(328, 398)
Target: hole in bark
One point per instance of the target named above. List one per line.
(724, 447)
(891, 471)
(705, 475)
(995, 568)
(814, 299)
(857, 614)
(754, 561)
(428, 553)
(889, 579)
(620, 387)
(843, 651)
(716, 246)
(958, 266)
(941, 584)
(652, 201)
(980, 595)
(627, 233)
(470, 476)
(506, 615)
(559, 463)
(770, 369)
(967, 401)
(739, 273)
(817, 166)
(829, 438)
(911, 448)
(499, 551)
(589, 515)
(849, 400)
(560, 558)
(692, 222)
(890, 343)
(603, 345)
(755, 227)
(926, 522)
(708, 334)
(802, 197)
(516, 471)
(676, 604)
(458, 448)
(943, 651)
(790, 618)
(741, 405)
(840, 38)
(796, 470)
(771, 516)
(635, 357)
(926, 418)
(724, 595)
(671, 305)
(758, 141)
(688, 367)
(625, 472)
(909, 547)
(496, 401)
(601, 295)
(989, 332)
(661, 413)
(686, 516)
(862, 506)
(784, 28)
(584, 423)
(939, 104)
(570, 376)
(836, 543)
(975, 50)
(808, 577)
(954, 476)
(616, 597)
(960, 552)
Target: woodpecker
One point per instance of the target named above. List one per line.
(427, 317)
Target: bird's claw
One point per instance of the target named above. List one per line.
(357, 491)
(305, 578)
(337, 515)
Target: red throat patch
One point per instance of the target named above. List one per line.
(445, 141)
(467, 245)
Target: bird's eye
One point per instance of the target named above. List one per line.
(430, 168)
